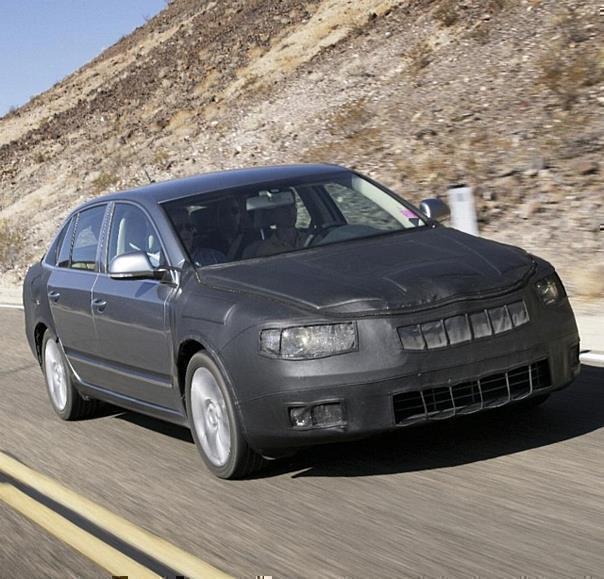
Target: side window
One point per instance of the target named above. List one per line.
(131, 231)
(358, 209)
(86, 239)
(64, 244)
(302, 216)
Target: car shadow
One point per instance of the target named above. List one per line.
(572, 412)
(159, 426)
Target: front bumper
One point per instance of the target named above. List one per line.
(382, 387)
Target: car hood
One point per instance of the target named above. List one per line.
(406, 271)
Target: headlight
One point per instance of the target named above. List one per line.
(304, 342)
(549, 289)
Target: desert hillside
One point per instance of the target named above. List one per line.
(505, 95)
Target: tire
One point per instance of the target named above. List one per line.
(65, 400)
(214, 422)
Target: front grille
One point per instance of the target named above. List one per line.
(465, 397)
(463, 328)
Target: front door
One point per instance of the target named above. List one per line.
(131, 317)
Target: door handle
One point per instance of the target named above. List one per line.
(54, 295)
(99, 305)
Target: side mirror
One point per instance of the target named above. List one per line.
(435, 209)
(134, 265)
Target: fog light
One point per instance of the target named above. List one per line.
(319, 415)
(327, 414)
(300, 416)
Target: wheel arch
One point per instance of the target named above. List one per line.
(186, 350)
(190, 346)
(39, 331)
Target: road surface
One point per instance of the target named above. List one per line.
(504, 493)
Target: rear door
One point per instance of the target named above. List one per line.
(131, 316)
(70, 289)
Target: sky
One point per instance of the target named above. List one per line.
(43, 41)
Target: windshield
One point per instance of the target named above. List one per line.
(266, 219)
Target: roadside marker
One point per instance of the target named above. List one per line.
(463, 210)
(590, 358)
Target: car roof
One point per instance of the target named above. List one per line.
(209, 182)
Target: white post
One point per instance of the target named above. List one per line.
(463, 210)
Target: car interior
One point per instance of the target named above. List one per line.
(260, 222)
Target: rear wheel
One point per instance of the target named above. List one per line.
(66, 401)
(214, 422)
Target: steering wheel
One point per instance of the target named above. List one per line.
(320, 232)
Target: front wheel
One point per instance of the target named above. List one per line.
(214, 422)
(65, 399)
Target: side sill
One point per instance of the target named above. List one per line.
(133, 404)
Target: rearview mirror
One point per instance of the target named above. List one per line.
(269, 200)
(133, 265)
(435, 209)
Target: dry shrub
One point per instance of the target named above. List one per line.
(12, 238)
(567, 126)
(447, 13)
(350, 117)
(40, 158)
(344, 149)
(431, 167)
(588, 282)
(480, 33)
(568, 24)
(420, 56)
(497, 5)
(571, 63)
(567, 71)
(161, 157)
(103, 182)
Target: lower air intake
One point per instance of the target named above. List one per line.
(473, 395)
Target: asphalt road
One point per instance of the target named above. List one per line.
(505, 493)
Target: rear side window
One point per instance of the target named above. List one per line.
(86, 238)
(64, 244)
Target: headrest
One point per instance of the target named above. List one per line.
(283, 216)
(205, 218)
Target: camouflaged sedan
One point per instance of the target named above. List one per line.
(270, 309)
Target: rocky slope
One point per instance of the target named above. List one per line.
(505, 95)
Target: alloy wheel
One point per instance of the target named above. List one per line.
(56, 375)
(210, 417)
